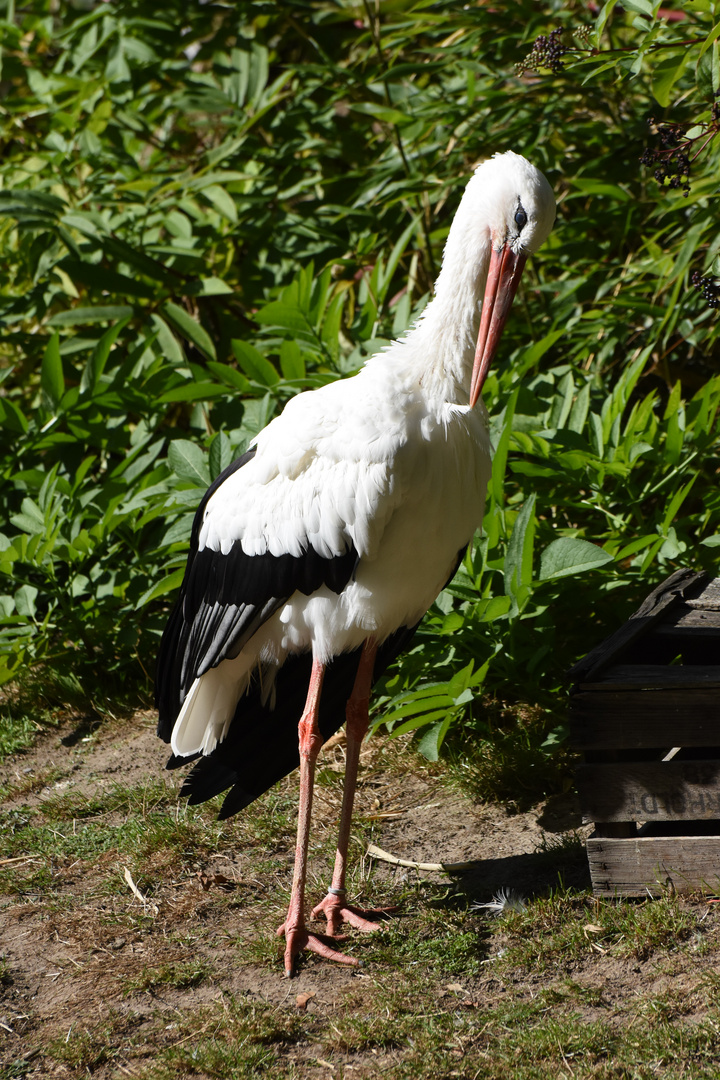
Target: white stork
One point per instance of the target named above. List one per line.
(315, 555)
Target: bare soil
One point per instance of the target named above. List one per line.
(86, 957)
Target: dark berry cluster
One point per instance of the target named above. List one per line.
(670, 158)
(547, 53)
(709, 287)
(676, 153)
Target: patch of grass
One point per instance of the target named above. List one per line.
(17, 732)
(236, 1038)
(141, 823)
(140, 800)
(565, 928)
(83, 1049)
(546, 1036)
(17, 1069)
(437, 941)
(175, 976)
(37, 703)
(86, 1046)
(505, 761)
(32, 782)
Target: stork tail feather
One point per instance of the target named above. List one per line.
(262, 743)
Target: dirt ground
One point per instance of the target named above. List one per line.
(87, 957)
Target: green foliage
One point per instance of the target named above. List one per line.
(204, 211)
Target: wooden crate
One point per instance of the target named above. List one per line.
(645, 712)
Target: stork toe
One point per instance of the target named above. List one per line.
(337, 912)
(300, 938)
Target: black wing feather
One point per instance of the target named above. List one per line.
(223, 601)
(263, 748)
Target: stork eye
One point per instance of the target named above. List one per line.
(521, 218)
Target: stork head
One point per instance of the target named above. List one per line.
(510, 200)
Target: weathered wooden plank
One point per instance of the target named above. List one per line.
(683, 583)
(654, 864)
(688, 617)
(656, 677)
(642, 719)
(650, 791)
(709, 598)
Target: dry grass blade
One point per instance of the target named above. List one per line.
(148, 905)
(449, 867)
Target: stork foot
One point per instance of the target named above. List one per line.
(300, 938)
(337, 912)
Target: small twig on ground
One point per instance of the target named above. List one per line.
(449, 867)
(147, 904)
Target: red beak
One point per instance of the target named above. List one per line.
(504, 275)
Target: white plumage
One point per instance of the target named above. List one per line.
(348, 515)
(346, 465)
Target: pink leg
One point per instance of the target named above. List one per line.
(297, 937)
(334, 907)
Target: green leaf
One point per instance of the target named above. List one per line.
(84, 316)
(501, 452)
(188, 462)
(25, 601)
(580, 408)
(254, 363)
(418, 722)
(519, 557)
(190, 329)
(52, 380)
(100, 279)
(645, 7)
(419, 704)
(429, 745)
(11, 417)
(31, 518)
(193, 391)
(666, 73)
(167, 341)
(230, 376)
(291, 361)
(221, 454)
(31, 206)
(599, 187)
(637, 449)
(211, 286)
(571, 555)
(161, 588)
(283, 315)
(496, 607)
(96, 364)
(382, 112)
(676, 502)
(222, 202)
(712, 36)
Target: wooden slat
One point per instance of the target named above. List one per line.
(656, 677)
(681, 584)
(642, 719)
(654, 864)
(688, 617)
(650, 791)
(709, 598)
